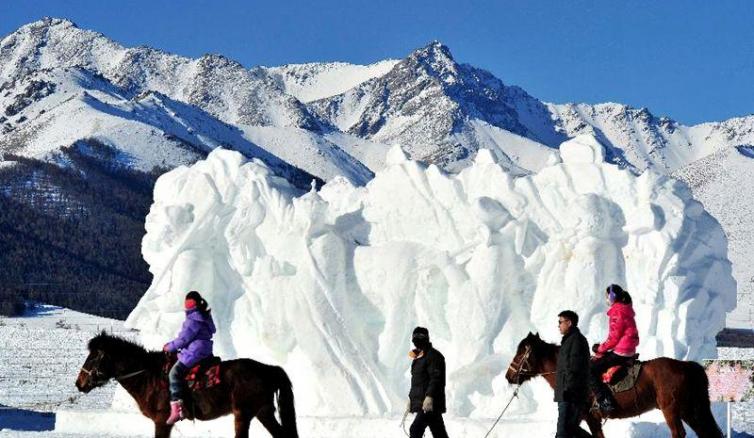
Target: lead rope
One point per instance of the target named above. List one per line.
(403, 423)
(515, 394)
(518, 387)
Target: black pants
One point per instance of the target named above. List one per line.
(177, 381)
(431, 419)
(569, 418)
(598, 367)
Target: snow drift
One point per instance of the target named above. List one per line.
(330, 284)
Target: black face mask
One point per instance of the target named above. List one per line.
(421, 343)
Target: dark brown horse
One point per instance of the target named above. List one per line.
(247, 389)
(679, 389)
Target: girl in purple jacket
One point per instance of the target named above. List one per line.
(193, 344)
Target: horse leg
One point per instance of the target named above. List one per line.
(162, 430)
(595, 426)
(703, 423)
(673, 419)
(266, 416)
(242, 421)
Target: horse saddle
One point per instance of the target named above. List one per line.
(205, 374)
(623, 377)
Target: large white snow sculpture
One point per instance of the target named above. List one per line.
(329, 284)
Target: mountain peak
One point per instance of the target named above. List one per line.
(50, 22)
(435, 60)
(434, 51)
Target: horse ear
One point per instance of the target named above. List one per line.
(536, 335)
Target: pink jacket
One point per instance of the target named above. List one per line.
(623, 337)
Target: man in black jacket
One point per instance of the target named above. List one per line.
(427, 395)
(571, 376)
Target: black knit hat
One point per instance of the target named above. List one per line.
(420, 333)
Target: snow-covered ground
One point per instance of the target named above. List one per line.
(66, 333)
(41, 354)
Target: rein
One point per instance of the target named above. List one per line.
(129, 375)
(519, 372)
(523, 372)
(97, 372)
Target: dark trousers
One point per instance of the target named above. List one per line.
(433, 421)
(569, 418)
(598, 366)
(177, 378)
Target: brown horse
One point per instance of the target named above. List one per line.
(247, 389)
(679, 389)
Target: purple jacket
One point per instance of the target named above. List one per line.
(195, 339)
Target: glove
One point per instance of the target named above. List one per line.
(428, 404)
(596, 348)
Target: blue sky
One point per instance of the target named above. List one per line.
(691, 60)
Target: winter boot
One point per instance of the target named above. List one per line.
(606, 404)
(176, 412)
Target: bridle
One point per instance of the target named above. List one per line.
(518, 368)
(524, 367)
(95, 372)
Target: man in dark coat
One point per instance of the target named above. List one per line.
(427, 395)
(571, 377)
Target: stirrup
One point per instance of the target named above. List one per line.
(607, 406)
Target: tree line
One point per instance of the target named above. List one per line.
(70, 234)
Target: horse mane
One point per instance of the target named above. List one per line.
(539, 347)
(123, 348)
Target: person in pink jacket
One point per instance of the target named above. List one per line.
(619, 347)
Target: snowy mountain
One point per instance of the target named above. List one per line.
(439, 110)
(724, 183)
(60, 85)
(644, 141)
(196, 92)
(435, 106)
(428, 103)
(222, 87)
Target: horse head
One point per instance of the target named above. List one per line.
(526, 363)
(94, 373)
(99, 366)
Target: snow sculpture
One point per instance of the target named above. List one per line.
(329, 284)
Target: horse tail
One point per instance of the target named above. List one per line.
(701, 418)
(286, 406)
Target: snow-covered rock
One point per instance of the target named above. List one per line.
(329, 284)
(319, 80)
